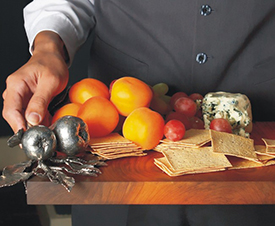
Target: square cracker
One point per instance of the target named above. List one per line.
(269, 142)
(270, 145)
(240, 163)
(262, 151)
(191, 159)
(163, 164)
(270, 150)
(234, 145)
(110, 138)
(192, 137)
(114, 146)
(196, 137)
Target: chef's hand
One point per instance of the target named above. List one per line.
(30, 89)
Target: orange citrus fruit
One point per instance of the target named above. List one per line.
(100, 115)
(144, 127)
(67, 109)
(87, 88)
(129, 93)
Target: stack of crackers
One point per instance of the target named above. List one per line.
(202, 151)
(114, 146)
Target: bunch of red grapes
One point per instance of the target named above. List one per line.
(182, 112)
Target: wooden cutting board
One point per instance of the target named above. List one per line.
(136, 180)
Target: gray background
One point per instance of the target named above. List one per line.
(14, 50)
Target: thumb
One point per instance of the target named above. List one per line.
(38, 104)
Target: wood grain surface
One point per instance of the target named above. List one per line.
(136, 180)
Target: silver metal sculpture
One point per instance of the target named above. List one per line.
(68, 135)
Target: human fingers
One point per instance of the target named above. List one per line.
(30, 89)
(16, 97)
(48, 86)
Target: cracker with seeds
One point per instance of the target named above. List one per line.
(234, 145)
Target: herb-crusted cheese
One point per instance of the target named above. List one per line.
(235, 107)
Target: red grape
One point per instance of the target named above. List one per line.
(179, 116)
(185, 106)
(174, 130)
(221, 125)
(196, 123)
(199, 113)
(176, 96)
(196, 96)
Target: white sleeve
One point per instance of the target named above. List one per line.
(72, 20)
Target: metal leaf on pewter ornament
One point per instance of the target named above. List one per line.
(15, 139)
(55, 175)
(13, 174)
(64, 180)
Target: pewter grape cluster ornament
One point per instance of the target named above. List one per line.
(68, 135)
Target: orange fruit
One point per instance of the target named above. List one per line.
(67, 109)
(144, 127)
(129, 93)
(87, 88)
(100, 115)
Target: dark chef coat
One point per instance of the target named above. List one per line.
(193, 46)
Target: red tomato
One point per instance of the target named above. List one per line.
(174, 130)
(221, 125)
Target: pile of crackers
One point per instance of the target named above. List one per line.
(202, 151)
(114, 146)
